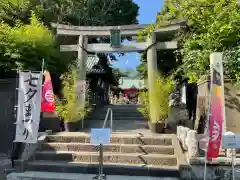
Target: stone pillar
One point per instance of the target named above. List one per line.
(152, 72)
(81, 75)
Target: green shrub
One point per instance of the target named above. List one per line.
(68, 107)
(158, 100)
(144, 109)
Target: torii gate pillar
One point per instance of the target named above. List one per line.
(152, 70)
(81, 65)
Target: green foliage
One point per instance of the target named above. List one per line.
(232, 64)
(24, 46)
(118, 74)
(144, 109)
(13, 10)
(68, 107)
(92, 12)
(213, 26)
(75, 12)
(158, 101)
(193, 78)
(142, 68)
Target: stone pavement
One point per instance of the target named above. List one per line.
(68, 176)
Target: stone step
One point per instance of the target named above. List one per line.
(88, 157)
(119, 126)
(115, 121)
(117, 148)
(117, 118)
(123, 115)
(118, 114)
(116, 138)
(109, 169)
(115, 110)
(35, 175)
(122, 106)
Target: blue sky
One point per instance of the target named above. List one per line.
(147, 15)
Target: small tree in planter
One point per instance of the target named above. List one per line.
(144, 108)
(68, 107)
(159, 104)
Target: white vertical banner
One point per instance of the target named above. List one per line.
(29, 106)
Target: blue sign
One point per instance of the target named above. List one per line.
(100, 136)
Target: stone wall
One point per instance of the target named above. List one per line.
(232, 106)
(7, 127)
(202, 106)
(214, 172)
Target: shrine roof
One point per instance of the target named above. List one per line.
(92, 62)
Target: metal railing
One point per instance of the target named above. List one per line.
(109, 111)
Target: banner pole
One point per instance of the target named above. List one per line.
(43, 64)
(233, 166)
(15, 145)
(205, 166)
(101, 162)
(208, 118)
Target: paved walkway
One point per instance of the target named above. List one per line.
(70, 176)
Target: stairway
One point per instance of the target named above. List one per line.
(125, 118)
(134, 152)
(128, 154)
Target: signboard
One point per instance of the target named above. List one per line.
(115, 38)
(100, 136)
(29, 107)
(231, 141)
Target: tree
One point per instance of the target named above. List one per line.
(118, 74)
(213, 25)
(25, 46)
(142, 68)
(74, 12)
(12, 11)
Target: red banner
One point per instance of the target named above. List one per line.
(48, 104)
(216, 111)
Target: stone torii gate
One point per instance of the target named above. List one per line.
(160, 39)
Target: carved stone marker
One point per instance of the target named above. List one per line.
(183, 136)
(192, 143)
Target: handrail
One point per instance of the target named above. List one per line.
(109, 110)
